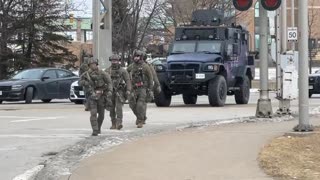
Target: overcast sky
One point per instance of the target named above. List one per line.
(84, 7)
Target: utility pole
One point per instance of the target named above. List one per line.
(284, 104)
(95, 27)
(105, 44)
(293, 46)
(264, 108)
(304, 124)
(284, 39)
(278, 53)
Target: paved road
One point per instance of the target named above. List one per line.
(31, 134)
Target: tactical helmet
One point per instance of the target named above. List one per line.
(139, 53)
(115, 57)
(91, 61)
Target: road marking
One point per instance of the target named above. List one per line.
(27, 119)
(44, 136)
(8, 149)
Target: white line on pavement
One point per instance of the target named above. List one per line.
(44, 136)
(8, 149)
(35, 119)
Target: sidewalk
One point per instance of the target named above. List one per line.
(227, 152)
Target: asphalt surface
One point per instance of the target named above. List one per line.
(31, 134)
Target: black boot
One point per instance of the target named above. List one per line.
(119, 125)
(113, 126)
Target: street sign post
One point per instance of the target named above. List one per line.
(292, 33)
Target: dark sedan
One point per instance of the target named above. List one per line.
(314, 83)
(40, 83)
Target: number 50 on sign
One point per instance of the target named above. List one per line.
(292, 34)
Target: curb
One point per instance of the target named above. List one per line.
(29, 174)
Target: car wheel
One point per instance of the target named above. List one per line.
(310, 95)
(243, 94)
(217, 91)
(29, 95)
(78, 102)
(46, 100)
(162, 99)
(189, 98)
(0, 102)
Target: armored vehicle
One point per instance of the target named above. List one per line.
(209, 58)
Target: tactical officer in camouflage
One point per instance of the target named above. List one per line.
(99, 86)
(121, 90)
(83, 68)
(156, 83)
(142, 84)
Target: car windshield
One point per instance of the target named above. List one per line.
(29, 74)
(209, 47)
(200, 46)
(184, 47)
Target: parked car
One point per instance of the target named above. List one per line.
(314, 83)
(38, 83)
(158, 60)
(77, 94)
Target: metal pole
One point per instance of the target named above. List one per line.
(278, 49)
(304, 124)
(264, 109)
(284, 39)
(293, 45)
(95, 27)
(105, 44)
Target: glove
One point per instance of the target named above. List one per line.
(109, 94)
(128, 94)
(93, 96)
(158, 90)
(150, 96)
(108, 104)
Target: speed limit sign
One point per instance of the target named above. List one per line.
(292, 34)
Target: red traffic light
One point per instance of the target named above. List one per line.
(242, 5)
(270, 5)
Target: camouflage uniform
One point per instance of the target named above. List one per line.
(99, 87)
(84, 68)
(156, 83)
(121, 90)
(142, 83)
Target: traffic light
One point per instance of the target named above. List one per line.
(270, 5)
(242, 5)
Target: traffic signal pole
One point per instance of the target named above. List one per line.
(95, 27)
(284, 104)
(264, 108)
(293, 46)
(102, 37)
(304, 124)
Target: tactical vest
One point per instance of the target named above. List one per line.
(137, 76)
(98, 79)
(117, 78)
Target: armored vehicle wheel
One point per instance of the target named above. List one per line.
(78, 102)
(189, 98)
(243, 94)
(162, 99)
(46, 100)
(29, 95)
(217, 91)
